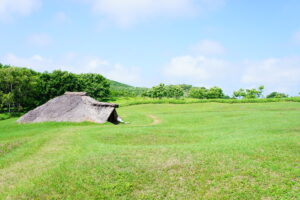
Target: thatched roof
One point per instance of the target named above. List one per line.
(73, 107)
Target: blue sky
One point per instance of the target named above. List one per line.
(229, 43)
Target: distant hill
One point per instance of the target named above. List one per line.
(121, 89)
(114, 85)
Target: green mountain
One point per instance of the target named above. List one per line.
(121, 89)
(114, 85)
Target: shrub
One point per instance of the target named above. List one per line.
(277, 95)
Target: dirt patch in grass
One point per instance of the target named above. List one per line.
(155, 119)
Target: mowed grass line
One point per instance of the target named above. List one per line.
(46, 150)
(197, 151)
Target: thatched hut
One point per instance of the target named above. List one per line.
(73, 107)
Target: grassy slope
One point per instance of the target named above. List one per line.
(197, 151)
(121, 87)
(117, 85)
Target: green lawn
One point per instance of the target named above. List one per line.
(189, 151)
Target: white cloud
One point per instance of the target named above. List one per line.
(128, 12)
(40, 40)
(10, 8)
(195, 69)
(202, 67)
(280, 74)
(77, 64)
(208, 47)
(276, 74)
(118, 72)
(36, 62)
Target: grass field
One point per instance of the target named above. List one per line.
(129, 101)
(166, 151)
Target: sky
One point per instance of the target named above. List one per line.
(227, 43)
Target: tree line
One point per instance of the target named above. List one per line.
(183, 90)
(22, 89)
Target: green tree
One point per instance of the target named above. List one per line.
(261, 90)
(249, 93)
(185, 87)
(174, 91)
(241, 93)
(252, 93)
(95, 85)
(57, 83)
(198, 93)
(18, 87)
(8, 101)
(277, 95)
(4, 66)
(215, 93)
(158, 91)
